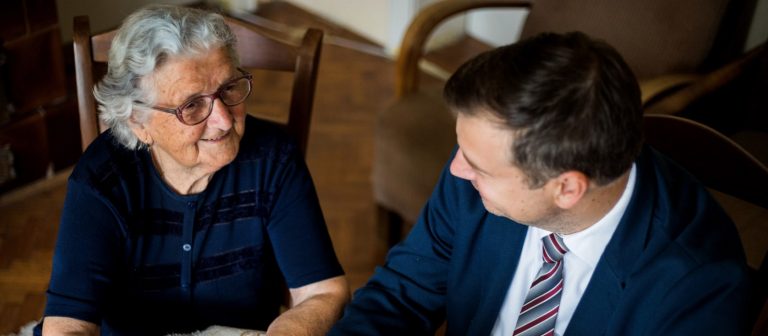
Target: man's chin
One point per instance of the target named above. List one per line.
(494, 211)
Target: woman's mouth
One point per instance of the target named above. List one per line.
(216, 139)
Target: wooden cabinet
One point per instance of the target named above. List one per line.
(33, 80)
(32, 38)
(27, 138)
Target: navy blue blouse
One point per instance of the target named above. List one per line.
(137, 258)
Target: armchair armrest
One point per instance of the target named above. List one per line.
(654, 89)
(696, 89)
(412, 46)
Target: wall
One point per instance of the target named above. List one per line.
(382, 21)
(369, 18)
(496, 27)
(103, 14)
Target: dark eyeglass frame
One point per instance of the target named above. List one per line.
(177, 111)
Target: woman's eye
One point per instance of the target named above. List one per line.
(193, 105)
(229, 87)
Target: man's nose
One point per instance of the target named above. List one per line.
(460, 168)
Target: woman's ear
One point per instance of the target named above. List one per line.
(570, 188)
(141, 132)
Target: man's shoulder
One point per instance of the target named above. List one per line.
(684, 221)
(673, 193)
(674, 241)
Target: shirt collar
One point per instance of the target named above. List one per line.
(589, 244)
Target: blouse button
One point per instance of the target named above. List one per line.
(186, 247)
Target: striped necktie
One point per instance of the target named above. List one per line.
(538, 315)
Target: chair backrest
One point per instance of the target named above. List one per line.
(258, 48)
(717, 161)
(656, 37)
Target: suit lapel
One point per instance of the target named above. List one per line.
(498, 256)
(597, 305)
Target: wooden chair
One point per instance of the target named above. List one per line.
(415, 135)
(258, 48)
(722, 165)
(717, 161)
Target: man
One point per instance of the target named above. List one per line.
(553, 218)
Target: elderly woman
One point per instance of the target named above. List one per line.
(177, 219)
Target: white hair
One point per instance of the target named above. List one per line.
(145, 40)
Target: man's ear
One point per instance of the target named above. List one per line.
(569, 189)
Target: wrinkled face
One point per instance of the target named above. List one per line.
(205, 147)
(483, 158)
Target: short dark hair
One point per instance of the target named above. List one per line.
(571, 101)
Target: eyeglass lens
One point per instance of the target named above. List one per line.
(199, 108)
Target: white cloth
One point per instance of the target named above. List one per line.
(584, 251)
(224, 331)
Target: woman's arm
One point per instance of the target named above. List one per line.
(57, 325)
(314, 308)
(85, 261)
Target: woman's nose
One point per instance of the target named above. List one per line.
(221, 116)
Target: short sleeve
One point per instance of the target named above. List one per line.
(297, 230)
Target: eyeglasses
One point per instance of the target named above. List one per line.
(197, 109)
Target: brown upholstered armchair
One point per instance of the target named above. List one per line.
(732, 99)
(666, 44)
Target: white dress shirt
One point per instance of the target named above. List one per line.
(584, 251)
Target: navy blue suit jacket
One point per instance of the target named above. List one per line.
(674, 266)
